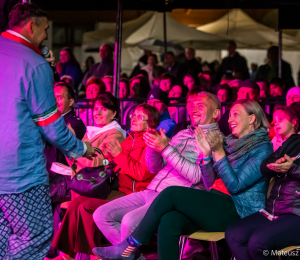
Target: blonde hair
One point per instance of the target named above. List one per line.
(253, 108)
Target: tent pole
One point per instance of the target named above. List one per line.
(279, 52)
(118, 49)
(165, 37)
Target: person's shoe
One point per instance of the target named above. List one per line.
(121, 251)
(191, 247)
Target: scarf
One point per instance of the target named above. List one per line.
(92, 131)
(235, 147)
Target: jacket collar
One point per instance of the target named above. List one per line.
(135, 135)
(18, 39)
(69, 115)
(165, 115)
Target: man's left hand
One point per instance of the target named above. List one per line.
(157, 142)
(51, 59)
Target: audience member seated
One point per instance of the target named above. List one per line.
(159, 99)
(178, 114)
(236, 187)
(172, 66)
(68, 65)
(89, 62)
(174, 162)
(277, 88)
(191, 65)
(277, 224)
(167, 81)
(124, 93)
(270, 70)
(191, 95)
(233, 62)
(94, 87)
(69, 80)
(264, 87)
(103, 68)
(77, 233)
(286, 122)
(151, 62)
(292, 96)
(157, 72)
(108, 81)
(139, 87)
(224, 93)
(59, 184)
(206, 80)
(190, 80)
(247, 89)
(141, 63)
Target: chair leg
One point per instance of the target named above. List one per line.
(182, 243)
(214, 250)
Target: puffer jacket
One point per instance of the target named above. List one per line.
(134, 175)
(179, 163)
(242, 178)
(285, 193)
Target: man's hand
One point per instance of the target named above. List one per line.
(51, 59)
(114, 149)
(90, 152)
(282, 165)
(155, 141)
(202, 142)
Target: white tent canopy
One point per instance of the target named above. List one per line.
(240, 27)
(176, 33)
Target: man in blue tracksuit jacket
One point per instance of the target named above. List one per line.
(160, 100)
(28, 116)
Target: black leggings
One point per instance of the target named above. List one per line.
(255, 236)
(182, 211)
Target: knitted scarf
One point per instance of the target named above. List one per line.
(235, 147)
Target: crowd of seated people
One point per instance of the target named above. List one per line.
(199, 166)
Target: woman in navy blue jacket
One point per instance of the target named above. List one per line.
(68, 65)
(239, 191)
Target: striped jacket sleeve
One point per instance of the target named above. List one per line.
(41, 103)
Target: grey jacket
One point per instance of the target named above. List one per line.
(179, 163)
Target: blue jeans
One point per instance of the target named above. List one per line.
(118, 218)
(256, 237)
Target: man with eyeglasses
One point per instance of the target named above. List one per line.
(160, 100)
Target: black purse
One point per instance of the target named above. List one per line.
(95, 182)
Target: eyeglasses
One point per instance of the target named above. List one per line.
(138, 118)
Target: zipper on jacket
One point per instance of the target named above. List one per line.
(172, 168)
(277, 196)
(133, 138)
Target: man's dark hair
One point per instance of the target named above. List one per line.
(71, 94)
(277, 81)
(21, 13)
(195, 91)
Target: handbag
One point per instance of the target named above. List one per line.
(95, 182)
